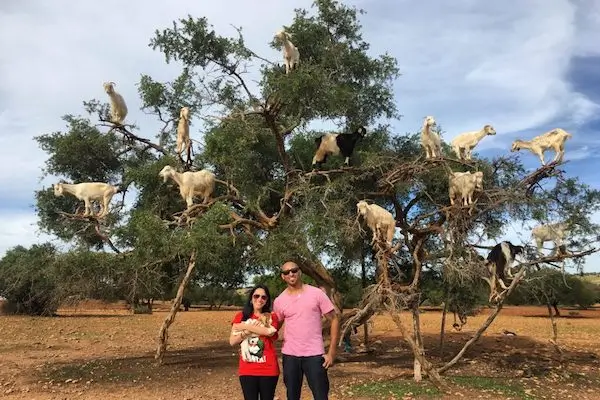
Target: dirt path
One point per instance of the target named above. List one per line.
(108, 354)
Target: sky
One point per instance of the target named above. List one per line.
(523, 66)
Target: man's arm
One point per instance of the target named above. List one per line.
(334, 333)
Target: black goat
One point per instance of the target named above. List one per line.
(335, 144)
(502, 256)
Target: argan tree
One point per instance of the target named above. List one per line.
(269, 206)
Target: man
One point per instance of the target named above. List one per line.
(300, 306)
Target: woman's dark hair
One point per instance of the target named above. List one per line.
(248, 309)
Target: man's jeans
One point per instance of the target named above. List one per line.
(294, 369)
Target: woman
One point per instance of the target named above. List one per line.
(258, 365)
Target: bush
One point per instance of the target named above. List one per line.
(28, 280)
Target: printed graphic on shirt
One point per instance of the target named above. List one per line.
(253, 350)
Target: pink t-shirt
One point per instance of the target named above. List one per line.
(301, 314)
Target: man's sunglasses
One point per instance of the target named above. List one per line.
(293, 271)
(262, 296)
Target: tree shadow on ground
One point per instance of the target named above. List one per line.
(502, 355)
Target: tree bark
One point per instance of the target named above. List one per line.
(163, 333)
(419, 342)
(554, 339)
(363, 279)
(443, 327)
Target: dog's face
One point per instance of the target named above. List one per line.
(265, 319)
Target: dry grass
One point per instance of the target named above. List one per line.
(102, 351)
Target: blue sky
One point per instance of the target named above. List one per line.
(522, 66)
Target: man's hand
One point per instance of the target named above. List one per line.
(328, 361)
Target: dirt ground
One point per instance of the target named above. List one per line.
(101, 351)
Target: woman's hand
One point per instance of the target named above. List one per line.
(239, 326)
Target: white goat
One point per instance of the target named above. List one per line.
(430, 140)
(198, 183)
(550, 232)
(464, 184)
(379, 220)
(466, 142)
(554, 139)
(118, 108)
(183, 131)
(88, 191)
(291, 55)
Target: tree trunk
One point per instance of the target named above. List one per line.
(554, 339)
(363, 278)
(436, 379)
(163, 333)
(555, 306)
(418, 341)
(443, 327)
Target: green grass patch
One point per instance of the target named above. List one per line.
(496, 385)
(404, 387)
(398, 388)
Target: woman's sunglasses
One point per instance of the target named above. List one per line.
(262, 296)
(293, 271)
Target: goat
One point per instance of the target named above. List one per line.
(379, 220)
(336, 143)
(118, 108)
(465, 184)
(88, 191)
(183, 131)
(249, 341)
(467, 141)
(551, 232)
(291, 55)
(500, 260)
(430, 140)
(554, 139)
(191, 183)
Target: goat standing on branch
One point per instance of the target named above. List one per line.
(381, 222)
(183, 132)
(118, 108)
(466, 142)
(430, 140)
(551, 232)
(336, 143)
(291, 55)
(198, 183)
(88, 192)
(464, 184)
(500, 261)
(554, 139)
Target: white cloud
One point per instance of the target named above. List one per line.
(469, 63)
(20, 229)
(466, 62)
